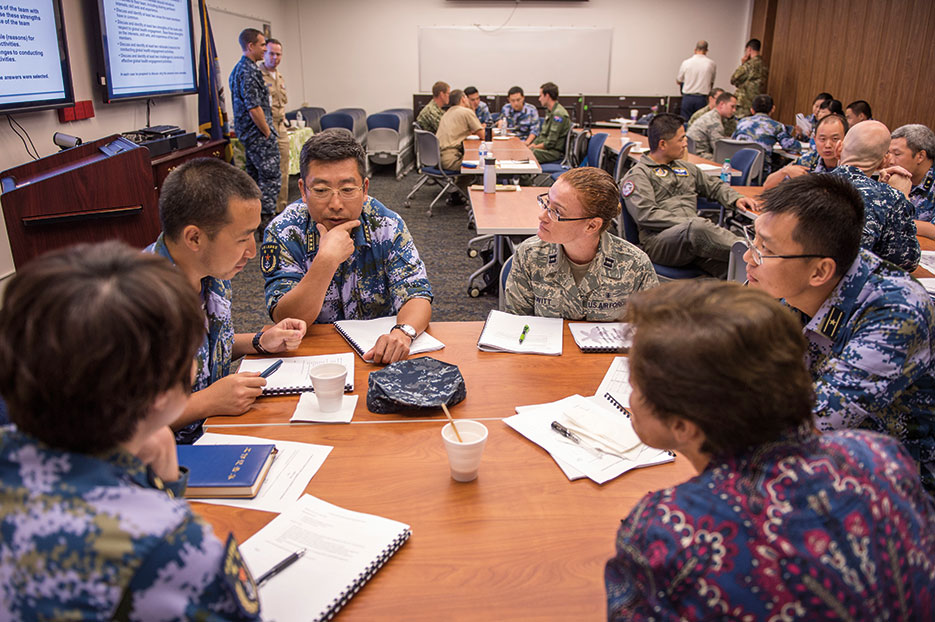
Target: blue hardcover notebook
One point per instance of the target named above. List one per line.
(225, 470)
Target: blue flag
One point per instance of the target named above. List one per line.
(212, 119)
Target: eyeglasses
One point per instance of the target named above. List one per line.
(324, 193)
(545, 204)
(758, 257)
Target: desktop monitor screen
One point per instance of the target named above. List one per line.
(34, 69)
(148, 50)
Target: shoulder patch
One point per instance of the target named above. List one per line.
(680, 172)
(238, 579)
(557, 118)
(660, 172)
(628, 188)
(269, 258)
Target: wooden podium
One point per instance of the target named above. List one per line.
(90, 193)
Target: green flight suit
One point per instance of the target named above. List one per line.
(555, 127)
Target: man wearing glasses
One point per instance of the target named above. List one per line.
(340, 254)
(870, 326)
(573, 267)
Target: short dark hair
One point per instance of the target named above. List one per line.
(762, 103)
(597, 192)
(831, 118)
(198, 193)
(550, 89)
(470, 90)
(248, 36)
(276, 41)
(918, 138)
(728, 358)
(514, 90)
(454, 97)
(832, 105)
(753, 44)
(715, 92)
(127, 326)
(823, 96)
(664, 126)
(724, 97)
(440, 87)
(860, 107)
(830, 214)
(333, 145)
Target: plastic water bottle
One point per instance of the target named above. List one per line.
(624, 131)
(725, 171)
(481, 152)
(299, 119)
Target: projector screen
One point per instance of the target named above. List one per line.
(147, 47)
(34, 70)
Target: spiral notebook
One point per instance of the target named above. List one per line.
(363, 335)
(293, 375)
(343, 550)
(615, 387)
(601, 336)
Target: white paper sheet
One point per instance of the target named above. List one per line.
(307, 410)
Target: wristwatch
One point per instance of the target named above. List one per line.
(408, 330)
(256, 344)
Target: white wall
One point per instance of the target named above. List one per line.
(364, 53)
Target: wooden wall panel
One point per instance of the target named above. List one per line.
(882, 52)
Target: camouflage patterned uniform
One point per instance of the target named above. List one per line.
(541, 283)
(213, 360)
(429, 117)
(888, 228)
(750, 80)
(766, 132)
(278, 100)
(922, 197)
(555, 129)
(101, 537)
(870, 353)
(523, 122)
(483, 113)
(663, 200)
(698, 113)
(248, 91)
(382, 274)
(706, 131)
(813, 162)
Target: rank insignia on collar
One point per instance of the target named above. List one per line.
(269, 258)
(238, 578)
(680, 172)
(553, 258)
(628, 188)
(831, 325)
(660, 172)
(609, 262)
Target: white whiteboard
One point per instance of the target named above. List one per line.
(576, 59)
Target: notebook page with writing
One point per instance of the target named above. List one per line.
(363, 335)
(601, 336)
(502, 331)
(615, 387)
(293, 375)
(343, 550)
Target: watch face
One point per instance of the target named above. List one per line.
(407, 329)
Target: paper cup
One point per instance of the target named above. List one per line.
(464, 458)
(328, 381)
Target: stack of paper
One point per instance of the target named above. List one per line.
(929, 285)
(927, 260)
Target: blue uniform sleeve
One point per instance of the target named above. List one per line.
(255, 92)
(405, 271)
(788, 142)
(191, 575)
(283, 260)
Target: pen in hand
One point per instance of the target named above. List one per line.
(275, 570)
(524, 333)
(269, 371)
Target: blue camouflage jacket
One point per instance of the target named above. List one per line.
(483, 113)
(98, 537)
(248, 90)
(382, 274)
(870, 352)
(888, 228)
(523, 122)
(922, 197)
(767, 132)
(813, 162)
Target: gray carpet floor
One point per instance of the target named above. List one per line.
(441, 240)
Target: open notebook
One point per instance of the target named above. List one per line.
(343, 550)
(502, 331)
(602, 336)
(363, 335)
(293, 375)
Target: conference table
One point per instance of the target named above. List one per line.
(513, 156)
(520, 542)
(615, 142)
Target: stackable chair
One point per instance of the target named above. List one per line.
(429, 162)
(736, 266)
(560, 167)
(749, 162)
(631, 234)
(728, 148)
(691, 144)
(385, 142)
(310, 114)
(504, 273)
(351, 119)
(622, 161)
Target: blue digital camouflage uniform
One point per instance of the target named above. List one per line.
(382, 274)
(922, 197)
(483, 113)
(870, 352)
(813, 162)
(888, 228)
(100, 537)
(766, 132)
(523, 122)
(248, 91)
(213, 360)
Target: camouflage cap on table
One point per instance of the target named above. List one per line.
(414, 385)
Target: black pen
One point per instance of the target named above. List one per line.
(275, 570)
(558, 427)
(269, 371)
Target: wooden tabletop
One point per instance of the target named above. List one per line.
(507, 212)
(507, 148)
(520, 542)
